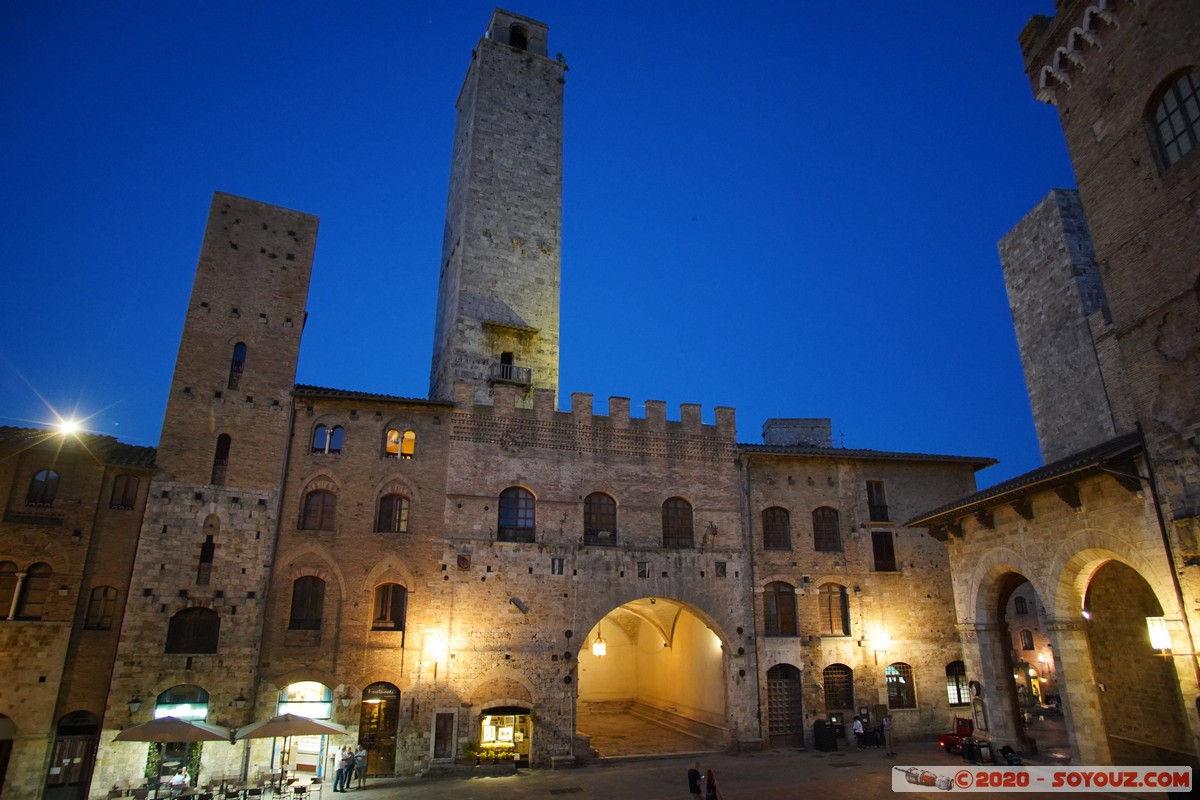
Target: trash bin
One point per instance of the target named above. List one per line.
(977, 751)
(824, 736)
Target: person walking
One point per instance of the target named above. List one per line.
(711, 790)
(695, 780)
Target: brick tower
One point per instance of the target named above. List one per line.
(498, 317)
(206, 545)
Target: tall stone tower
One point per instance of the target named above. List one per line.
(207, 541)
(498, 316)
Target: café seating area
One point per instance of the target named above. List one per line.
(265, 785)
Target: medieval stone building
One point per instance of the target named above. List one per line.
(1105, 293)
(487, 569)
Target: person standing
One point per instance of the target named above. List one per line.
(857, 727)
(360, 767)
(345, 770)
(711, 791)
(695, 776)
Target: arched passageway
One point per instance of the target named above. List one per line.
(652, 681)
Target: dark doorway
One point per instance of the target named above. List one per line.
(71, 761)
(785, 711)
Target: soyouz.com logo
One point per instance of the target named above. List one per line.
(1041, 779)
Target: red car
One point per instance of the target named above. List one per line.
(953, 742)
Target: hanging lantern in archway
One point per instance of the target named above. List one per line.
(599, 646)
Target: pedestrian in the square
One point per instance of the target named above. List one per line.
(695, 780)
(711, 790)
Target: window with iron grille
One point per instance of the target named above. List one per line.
(834, 610)
(877, 501)
(308, 603)
(779, 609)
(957, 688)
(839, 687)
(777, 529)
(883, 547)
(320, 511)
(902, 693)
(1176, 118)
(393, 514)
(515, 521)
(677, 523)
(827, 533)
(599, 519)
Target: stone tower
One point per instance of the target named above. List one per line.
(207, 540)
(498, 315)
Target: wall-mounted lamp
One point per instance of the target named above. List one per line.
(345, 701)
(599, 646)
(240, 701)
(135, 704)
(1160, 636)
(857, 591)
(882, 643)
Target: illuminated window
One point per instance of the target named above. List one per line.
(390, 602)
(102, 607)
(184, 701)
(779, 609)
(677, 523)
(902, 693)
(834, 610)
(839, 687)
(308, 603)
(328, 441)
(827, 533)
(399, 444)
(42, 489)
(515, 521)
(320, 511)
(956, 684)
(1176, 118)
(777, 529)
(193, 630)
(237, 364)
(599, 519)
(124, 493)
(393, 514)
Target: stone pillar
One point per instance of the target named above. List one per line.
(986, 651)
(1081, 695)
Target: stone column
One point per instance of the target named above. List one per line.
(986, 649)
(1081, 696)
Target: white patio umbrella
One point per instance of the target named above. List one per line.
(288, 725)
(173, 729)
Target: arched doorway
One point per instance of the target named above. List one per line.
(304, 754)
(1140, 700)
(185, 701)
(651, 681)
(7, 731)
(70, 769)
(507, 731)
(378, 721)
(785, 709)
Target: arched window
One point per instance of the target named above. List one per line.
(237, 364)
(839, 687)
(308, 603)
(827, 534)
(34, 591)
(194, 630)
(1026, 639)
(8, 587)
(399, 444)
(515, 521)
(834, 610)
(518, 37)
(902, 693)
(599, 519)
(208, 550)
(677, 523)
(390, 602)
(777, 529)
(221, 460)
(102, 607)
(328, 441)
(182, 701)
(779, 609)
(124, 493)
(320, 511)
(393, 514)
(1020, 605)
(956, 684)
(42, 489)
(1176, 118)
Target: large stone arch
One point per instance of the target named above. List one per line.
(503, 686)
(1080, 555)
